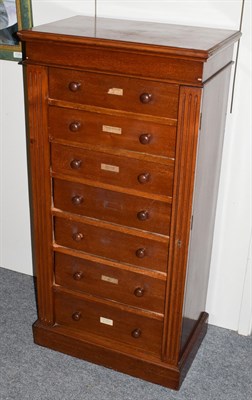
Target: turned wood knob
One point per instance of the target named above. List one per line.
(76, 316)
(145, 138)
(74, 86)
(78, 236)
(74, 126)
(77, 275)
(145, 98)
(77, 200)
(75, 164)
(136, 333)
(141, 253)
(143, 215)
(143, 178)
(139, 292)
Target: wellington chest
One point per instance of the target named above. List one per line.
(125, 128)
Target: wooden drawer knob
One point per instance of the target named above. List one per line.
(143, 215)
(136, 333)
(74, 126)
(74, 86)
(139, 292)
(141, 253)
(143, 178)
(76, 316)
(77, 200)
(75, 164)
(78, 276)
(78, 236)
(145, 98)
(145, 138)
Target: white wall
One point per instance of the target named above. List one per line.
(15, 249)
(229, 297)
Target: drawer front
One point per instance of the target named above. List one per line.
(114, 92)
(117, 284)
(115, 245)
(142, 213)
(114, 170)
(109, 322)
(85, 127)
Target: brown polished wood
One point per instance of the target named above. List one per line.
(210, 151)
(149, 251)
(112, 169)
(41, 189)
(113, 322)
(181, 222)
(123, 132)
(102, 280)
(102, 90)
(137, 212)
(126, 122)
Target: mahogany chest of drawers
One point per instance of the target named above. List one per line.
(125, 123)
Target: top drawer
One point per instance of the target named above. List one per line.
(115, 92)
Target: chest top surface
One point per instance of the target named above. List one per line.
(172, 39)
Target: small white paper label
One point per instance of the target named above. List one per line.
(111, 168)
(109, 279)
(106, 321)
(116, 91)
(17, 54)
(112, 129)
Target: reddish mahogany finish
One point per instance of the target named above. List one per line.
(114, 111)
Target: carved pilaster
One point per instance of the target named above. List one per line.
(37, 91)
(186, 148)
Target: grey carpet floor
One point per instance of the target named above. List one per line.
(222, 369)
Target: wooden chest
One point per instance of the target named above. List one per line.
(125, 123)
